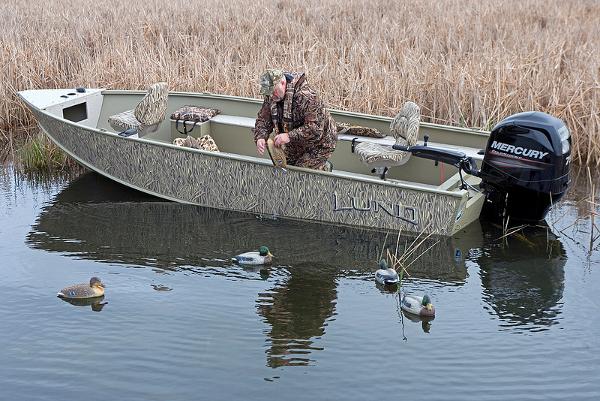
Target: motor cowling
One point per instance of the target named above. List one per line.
(525, 168)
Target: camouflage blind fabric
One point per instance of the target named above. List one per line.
(404, 128)
(357, 130)
(205, 143)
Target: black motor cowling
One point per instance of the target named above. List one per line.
(525, 167)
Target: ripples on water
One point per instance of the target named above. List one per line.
(179, 321)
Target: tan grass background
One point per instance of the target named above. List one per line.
(465, 62)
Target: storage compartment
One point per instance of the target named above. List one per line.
(76, 113)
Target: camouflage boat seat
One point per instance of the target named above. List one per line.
(405, 130)
(147, 115)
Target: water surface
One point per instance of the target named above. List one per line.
(516, 317)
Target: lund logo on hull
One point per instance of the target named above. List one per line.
(404, 213)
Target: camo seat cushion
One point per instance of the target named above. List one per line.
(404, 128)
(124, 121)
(147, 115)
(376, 155)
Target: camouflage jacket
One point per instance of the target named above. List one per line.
(302, 115)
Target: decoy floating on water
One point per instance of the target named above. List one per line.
(386, 275)
(94, 289)
(420, 306)
(262, 257)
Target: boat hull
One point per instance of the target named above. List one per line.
(228, 181)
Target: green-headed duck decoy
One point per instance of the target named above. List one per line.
(420, 306)
(262, 257)
(386, 275)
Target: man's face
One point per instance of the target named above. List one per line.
(279, 90)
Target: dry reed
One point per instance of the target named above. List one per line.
(465, 62)
(401, 262)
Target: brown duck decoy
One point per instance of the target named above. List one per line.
(94, 289)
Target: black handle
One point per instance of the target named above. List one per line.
(452, 157)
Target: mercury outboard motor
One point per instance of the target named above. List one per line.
(525, 166)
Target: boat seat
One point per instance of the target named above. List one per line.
(405, 130)
(147, 115)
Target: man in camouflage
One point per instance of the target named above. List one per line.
(298, 118)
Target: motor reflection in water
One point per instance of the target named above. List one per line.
(523, 276)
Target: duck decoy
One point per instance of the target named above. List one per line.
(94, 289)
(277, 154)
(386, 275)
(420, 306)
(262, 257)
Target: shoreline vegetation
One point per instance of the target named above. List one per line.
(464, 62)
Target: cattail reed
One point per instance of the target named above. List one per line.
(464, 62)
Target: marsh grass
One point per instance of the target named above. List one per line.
(39, 154)
(464, 62)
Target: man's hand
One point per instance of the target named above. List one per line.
(260, 146)
(281, 139)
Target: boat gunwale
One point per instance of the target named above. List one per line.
(341, 174)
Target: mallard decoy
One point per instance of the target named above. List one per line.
(420, 306)
(386, 275)
(262, 257)
(82, 291)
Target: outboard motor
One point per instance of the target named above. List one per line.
(525, 166)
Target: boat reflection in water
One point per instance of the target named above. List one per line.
(94, 218)
(97, 219)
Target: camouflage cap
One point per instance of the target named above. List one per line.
(268, 80)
